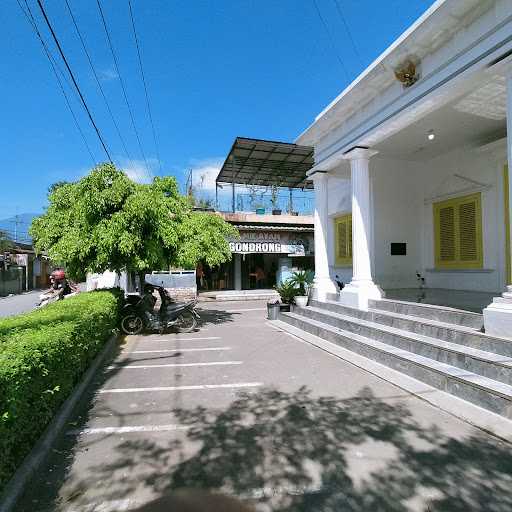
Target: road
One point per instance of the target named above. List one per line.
(248, 410)
(16, 304)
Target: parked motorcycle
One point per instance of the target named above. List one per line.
(139, 314)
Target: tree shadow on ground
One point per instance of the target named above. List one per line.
(215, 317)
(299, 452)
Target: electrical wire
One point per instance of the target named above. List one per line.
(54, 66)
(84, 103)
(121, 81)
(347, 28)
(97, 79)
(145, 85)
(331, 39)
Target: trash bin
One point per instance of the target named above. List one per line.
(272, 310)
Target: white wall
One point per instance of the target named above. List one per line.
(439, 182)
(402, 196)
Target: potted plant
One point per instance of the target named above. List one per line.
(287, 291)
(302, 280)
(274, 198)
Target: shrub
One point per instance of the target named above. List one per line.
(43, 354)
(287, 291)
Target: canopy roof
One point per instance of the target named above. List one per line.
(267, 163)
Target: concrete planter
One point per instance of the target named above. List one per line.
(301, 301)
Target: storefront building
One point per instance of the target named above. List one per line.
(269, 250)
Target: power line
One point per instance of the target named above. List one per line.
(74, 79)
(97, 79)
(331, 39)
(145, 85)
(347, 28)
(121, 81)
(54, 66)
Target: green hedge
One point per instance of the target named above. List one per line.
(43, 354)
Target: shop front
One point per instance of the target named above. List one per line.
(267, 255)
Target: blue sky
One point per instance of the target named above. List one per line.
(215, 70)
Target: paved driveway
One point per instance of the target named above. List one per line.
(243, 408)
(16, 304)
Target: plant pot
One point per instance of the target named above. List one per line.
(273, 310)
(260, 211)
(301, 301)
(276, 212)
(284, 308)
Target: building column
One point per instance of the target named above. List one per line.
(238, 271)
(498, 315)
(362, 288)
(322, 284)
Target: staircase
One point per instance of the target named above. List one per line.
(442, 347)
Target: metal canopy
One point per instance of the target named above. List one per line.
(267, 163)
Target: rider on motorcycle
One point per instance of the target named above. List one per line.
(59, 288)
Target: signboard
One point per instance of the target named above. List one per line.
(271, 243)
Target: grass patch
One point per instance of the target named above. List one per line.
(43, 354)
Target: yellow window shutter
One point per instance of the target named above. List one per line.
(467, 232)
(343, 240)
(458, 233)
(447, 233)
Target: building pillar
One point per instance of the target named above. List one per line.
(362, 288)
(323, 284)
(498, 315)
(238, 271)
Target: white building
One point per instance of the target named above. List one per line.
(415, 152)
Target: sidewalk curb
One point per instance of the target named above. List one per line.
(43, 445)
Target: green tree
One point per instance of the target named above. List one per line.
(105, 221)
(5, 243)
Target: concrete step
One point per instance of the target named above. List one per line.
(460, 334)
(487, 364)
(440, 313)
(484, 392)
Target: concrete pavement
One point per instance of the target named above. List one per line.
(16, 304)
(241, 407)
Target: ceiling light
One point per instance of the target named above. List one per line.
(431, 135)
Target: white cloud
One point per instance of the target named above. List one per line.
(107, 75)
(204, 173)
(138, 171)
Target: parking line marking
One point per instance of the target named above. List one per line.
(184, 339)
(178, 350)
(183, 388)
(127, 430)
(215, 363)
(245, 309)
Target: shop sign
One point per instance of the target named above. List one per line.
(270, 243)
(249, 247)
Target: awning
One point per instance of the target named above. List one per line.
(280, 227)
(267, 163)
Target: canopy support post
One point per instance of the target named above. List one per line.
(291, 201)
(233, 183)
(216, 196)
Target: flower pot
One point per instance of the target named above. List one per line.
(260, 211)
(276, 212)
(301, 301)
(284, 308)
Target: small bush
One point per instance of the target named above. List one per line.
(43, 354)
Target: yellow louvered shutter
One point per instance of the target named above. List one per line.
(343, 240)
(447, 234)
(458, 233)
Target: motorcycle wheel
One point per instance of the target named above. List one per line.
(186, 322)
(132, 324)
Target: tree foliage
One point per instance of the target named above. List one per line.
(105, 221)
(5, 243)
